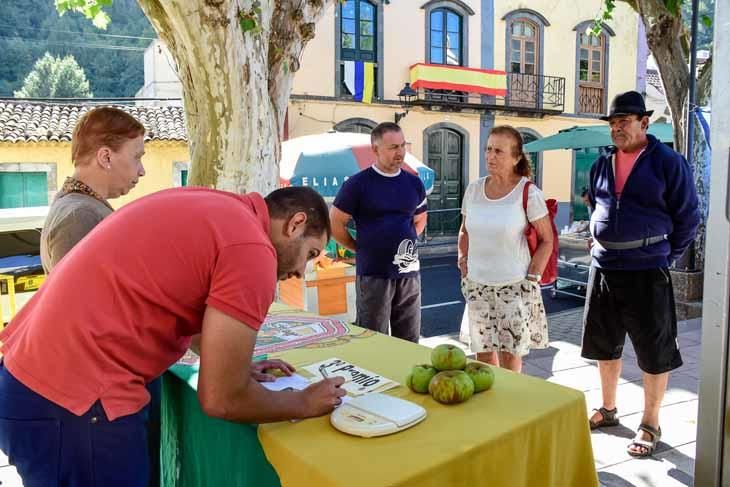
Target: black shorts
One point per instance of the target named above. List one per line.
(640, 303)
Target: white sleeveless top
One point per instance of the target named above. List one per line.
(498, 252)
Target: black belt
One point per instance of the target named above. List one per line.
(632, 244)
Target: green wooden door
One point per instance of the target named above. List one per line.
(584, 159)
(445, 157)
(23, 189)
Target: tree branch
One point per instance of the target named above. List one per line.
(704, 82)
(292, 27)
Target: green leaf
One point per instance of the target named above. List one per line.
(101, 20)
(706, 21)
(63, 6)
(91, 9)
(247, 24)
(673, 6)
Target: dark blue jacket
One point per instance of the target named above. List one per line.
(658, 198)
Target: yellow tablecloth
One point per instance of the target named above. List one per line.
(523, 432)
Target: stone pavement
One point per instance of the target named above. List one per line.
(673, 463)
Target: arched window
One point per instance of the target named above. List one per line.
(524, 34)
(524, 43)
(358, 37)
(446, 31)
(356, 125)
(591, 71)
(358, 31)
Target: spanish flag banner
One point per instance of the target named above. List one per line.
(360, 80)
(458, 78)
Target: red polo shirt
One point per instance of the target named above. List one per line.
(120, 308)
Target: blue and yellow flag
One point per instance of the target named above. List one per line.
(360, 80)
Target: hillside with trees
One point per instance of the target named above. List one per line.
(112, 59)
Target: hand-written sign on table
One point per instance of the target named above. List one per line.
(358, 381)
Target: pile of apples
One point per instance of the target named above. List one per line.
(448, 378)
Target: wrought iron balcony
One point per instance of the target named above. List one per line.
(448, 88)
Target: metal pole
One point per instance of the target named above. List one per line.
(692, 83)
(712, 465)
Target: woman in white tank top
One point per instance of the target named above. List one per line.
(500, 280)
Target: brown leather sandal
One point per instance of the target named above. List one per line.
(649, 446)
(608, 418)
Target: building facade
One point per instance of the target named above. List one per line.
(556, 77)
(35, 151)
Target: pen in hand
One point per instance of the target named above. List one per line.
(323, 371)
(325, 375)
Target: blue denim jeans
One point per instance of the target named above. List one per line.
(52, 447)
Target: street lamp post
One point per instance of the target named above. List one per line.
(406, 97)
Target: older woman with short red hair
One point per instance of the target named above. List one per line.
(106, 150)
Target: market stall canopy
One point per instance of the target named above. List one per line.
(14, 219)
(591, 136)
(20, 230)
(325, 161)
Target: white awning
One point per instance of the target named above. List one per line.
(17, 219)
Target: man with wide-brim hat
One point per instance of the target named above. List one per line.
(645, 215)
(629, 103)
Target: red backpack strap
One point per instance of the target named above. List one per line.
(525, 193)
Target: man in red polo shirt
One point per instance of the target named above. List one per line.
(123, 306)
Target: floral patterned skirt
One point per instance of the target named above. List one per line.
(507, 318)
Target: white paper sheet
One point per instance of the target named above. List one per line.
(294, 381)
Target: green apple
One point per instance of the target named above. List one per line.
(451, 387)
(419, 378)
(481, 374)
(448, 357)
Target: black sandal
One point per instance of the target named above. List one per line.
(649, 446)
(608, 418)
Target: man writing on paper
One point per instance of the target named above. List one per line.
(122, 307)
(389, 209)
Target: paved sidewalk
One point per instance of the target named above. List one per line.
(673, 462)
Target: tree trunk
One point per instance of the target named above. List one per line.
(236, 81)
(704, 83)
(663, 34)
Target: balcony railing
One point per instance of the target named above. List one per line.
(457, 88)
(590, 99)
